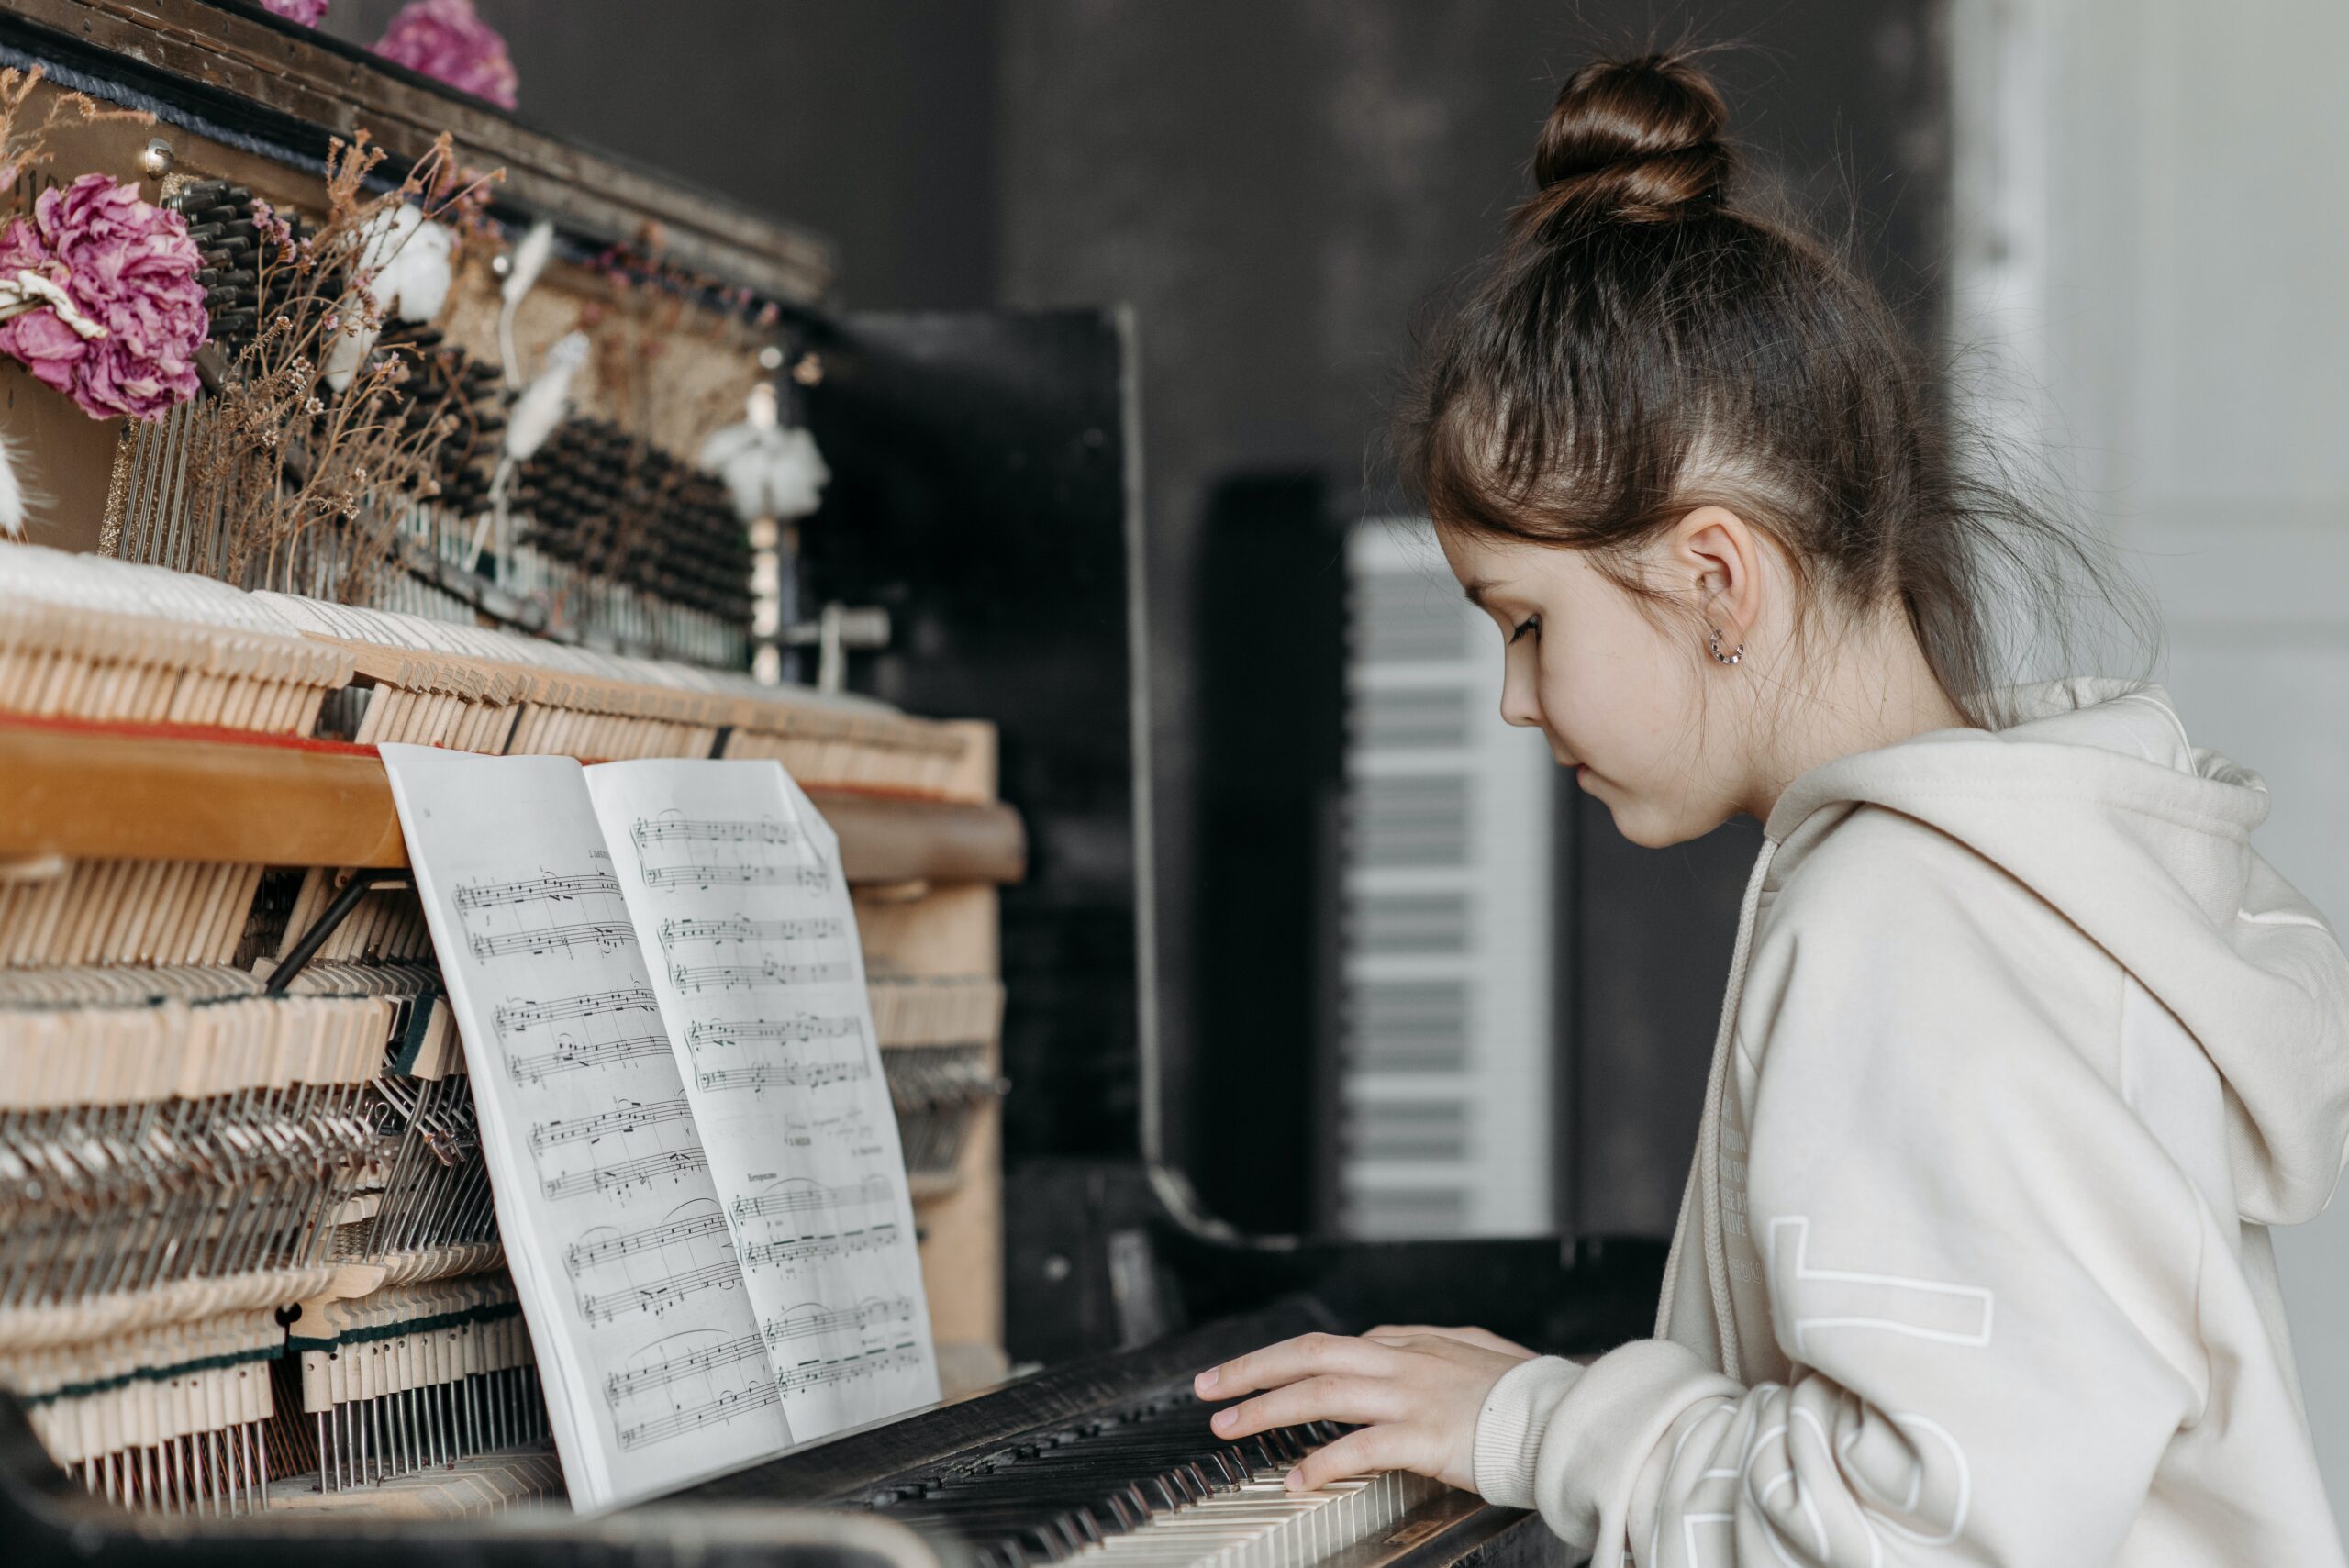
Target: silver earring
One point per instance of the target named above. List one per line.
(1714, 642)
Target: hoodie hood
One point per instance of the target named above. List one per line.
(2097, 801)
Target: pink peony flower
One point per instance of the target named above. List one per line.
(126, 266)
(310, 13)
(447, 41)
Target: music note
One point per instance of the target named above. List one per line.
(570, 1056)
(604, 936)
(623, 1385)
(681, 833)
(642, 1172)
(797, 1199)
(725, 1407)
(584, 1255)
(727, 977)
(677, 933)
(801, 1031)
(511, 1017)
(629, 1118)
(787, 1075)
(537, 890)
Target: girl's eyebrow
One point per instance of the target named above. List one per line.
(1477, 588)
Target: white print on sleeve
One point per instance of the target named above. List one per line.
(1813, 1299)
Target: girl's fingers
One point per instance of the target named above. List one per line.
(1366, 1453)
(1348, 1399)
(1307, 1355)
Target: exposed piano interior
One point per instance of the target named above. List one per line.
(252, 1300)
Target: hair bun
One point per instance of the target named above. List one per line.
(1636, 139)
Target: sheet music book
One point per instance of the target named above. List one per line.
(656, 970)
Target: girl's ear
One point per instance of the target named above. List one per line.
(1719, 554)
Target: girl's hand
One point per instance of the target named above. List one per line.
(1416, 1398)
(1484, 1337)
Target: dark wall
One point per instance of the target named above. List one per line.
(1276, 186)
(874, 124)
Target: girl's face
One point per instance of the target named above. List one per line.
(1617, 690)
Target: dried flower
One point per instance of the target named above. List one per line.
(310, 13)
(120, 266)
(446, 41)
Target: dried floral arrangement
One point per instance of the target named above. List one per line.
(326, 425)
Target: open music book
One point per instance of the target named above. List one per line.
(656, 970)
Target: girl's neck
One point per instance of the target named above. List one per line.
(1877, 690)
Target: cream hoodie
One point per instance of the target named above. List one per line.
(2024, 1049)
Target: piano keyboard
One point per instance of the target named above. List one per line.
(1151, 1485)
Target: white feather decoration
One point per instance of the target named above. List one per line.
(408, 255)
(770, 472)
(544, 402)
(12, 492)
(523, 264)
(347, 350)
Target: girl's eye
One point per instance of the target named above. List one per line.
(1530, 623)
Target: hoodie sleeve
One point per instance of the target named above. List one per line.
(1979, 1266)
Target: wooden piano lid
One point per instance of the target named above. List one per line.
(77, 790)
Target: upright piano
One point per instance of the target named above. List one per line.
(253, 1306)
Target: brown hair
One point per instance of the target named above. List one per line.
(1646, 342)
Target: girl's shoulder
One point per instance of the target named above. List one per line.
(1867, 908)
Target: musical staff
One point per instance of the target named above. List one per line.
(787, 1075)
(802, 1250)
(798, 1324)
(514, 1016)
(868, 1363)
(677, 933)
(743, 976)
(797, 1199)
(714, 875)
(676, 1164)
(604, 936)
(573, 1055)
(539, 890)
(622, 1385)
(631, 1117)
(804, 1029)
(725, 1407)
(662, 1293)
(662, 831)
(584, 1255)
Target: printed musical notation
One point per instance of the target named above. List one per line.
(581, 1256)
(768, 1075)
(713, 874)
(805, 1030)
(710, 1412)
(805, 1251)
(603, 936)
(662, 1293)
(574, 1055)
(621, 1174)
(539, 890)
(675, 934)
(629, 1118)
(745, 976)
(512, 1017)
(674, 831)
(625, 1385)
(810, 1374)
(813, 1322)
(808, 1199)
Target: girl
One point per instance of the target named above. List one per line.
(2024, 1048)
